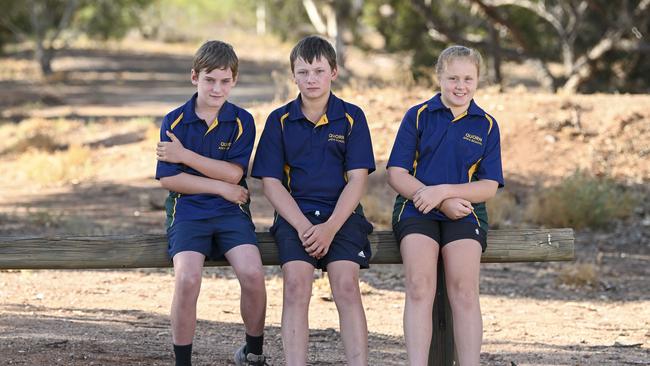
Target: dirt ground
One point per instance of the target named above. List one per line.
(531, 316)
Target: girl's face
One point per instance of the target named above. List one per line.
(458, 83)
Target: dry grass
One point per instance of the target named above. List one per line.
(70, 165)
(377, 210)
(37, 141)
(580, 201)
(503, 210)
(579, 275)
(55, 152)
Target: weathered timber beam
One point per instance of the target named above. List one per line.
(149, 251)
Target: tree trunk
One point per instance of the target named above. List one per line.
(495, 56)
(44, 58)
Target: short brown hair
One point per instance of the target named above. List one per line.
(455, 52)
(313, 47)
(215, 55)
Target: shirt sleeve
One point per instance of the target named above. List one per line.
(242, 147)
(269, 156)
(490, 167)
(403, 153)
(358, 148)
(163, 168)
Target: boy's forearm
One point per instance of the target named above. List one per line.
(192, 184)
(403, 183)
(349, 198)
(285, 205)
(213, 168)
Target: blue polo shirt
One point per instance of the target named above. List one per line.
(229, 137)
(311, 159)
(437, 148)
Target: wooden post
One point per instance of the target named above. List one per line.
(442, 351)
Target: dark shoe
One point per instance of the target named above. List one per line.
(243, 359)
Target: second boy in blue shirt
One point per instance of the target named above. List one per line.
(314, 157)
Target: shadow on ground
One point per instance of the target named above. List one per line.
(77, 336)
(150, 84)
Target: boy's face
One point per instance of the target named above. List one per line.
(314, 80)
(213, 87)
(458, 83)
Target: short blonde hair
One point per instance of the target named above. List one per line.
(455, 52)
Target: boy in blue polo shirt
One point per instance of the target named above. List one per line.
(202, 160)
(314, 158)
(445, 163)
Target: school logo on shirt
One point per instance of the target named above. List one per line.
(224, 145)
(473, 138)
(336, 138)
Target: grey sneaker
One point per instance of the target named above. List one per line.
(243, 359)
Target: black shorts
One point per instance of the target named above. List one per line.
(443, 232)
(350, 243)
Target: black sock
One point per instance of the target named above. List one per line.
(254, 345)
(183, 355)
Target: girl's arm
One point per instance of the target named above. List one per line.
(431, 197)
(403, 183)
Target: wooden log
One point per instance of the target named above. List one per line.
(147, 251)
(150, 251)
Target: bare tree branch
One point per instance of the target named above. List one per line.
(544, 73)
(19, 33)
(314, 16)
(70, 8)
(582, 67)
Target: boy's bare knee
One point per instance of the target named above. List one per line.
(251, 278)
(297, 291)
(188, 281)
(346, 290)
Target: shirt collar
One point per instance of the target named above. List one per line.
(335, 109)
(226, 113)
(435, 103)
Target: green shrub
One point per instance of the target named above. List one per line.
(580, 201)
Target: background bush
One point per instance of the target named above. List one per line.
(580, 201)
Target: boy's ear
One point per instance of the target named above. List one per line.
(194, 76)
(335, 73)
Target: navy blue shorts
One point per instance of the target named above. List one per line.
(350, 243)
(211, 237)
(443, 232)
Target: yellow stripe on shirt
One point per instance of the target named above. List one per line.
(177, 121)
